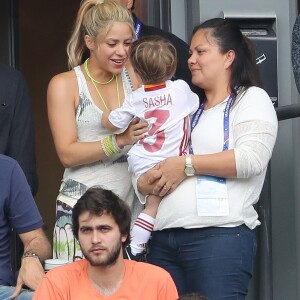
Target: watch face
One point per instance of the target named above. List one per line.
(189, 171)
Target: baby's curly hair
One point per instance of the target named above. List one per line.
(153, 58)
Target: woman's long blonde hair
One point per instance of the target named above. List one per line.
(94, 18)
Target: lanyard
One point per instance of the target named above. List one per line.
(198, 114)
(196, 118)
(137, 28)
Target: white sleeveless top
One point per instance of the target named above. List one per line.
(110, 174)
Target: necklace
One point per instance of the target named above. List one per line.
(103, 83)
(93, 79)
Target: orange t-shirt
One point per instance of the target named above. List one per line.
(141, 282)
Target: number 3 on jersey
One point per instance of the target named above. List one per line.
(154, 132)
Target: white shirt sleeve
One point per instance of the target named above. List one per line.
(122, 116)
(193, 99)
(255, 132)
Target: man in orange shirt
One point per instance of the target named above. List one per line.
(101, 224)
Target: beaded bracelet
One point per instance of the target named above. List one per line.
(114, 140)
(109, 145)
(103, 147)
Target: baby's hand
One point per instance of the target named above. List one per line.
(133, 133)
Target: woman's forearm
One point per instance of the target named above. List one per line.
(220, 164)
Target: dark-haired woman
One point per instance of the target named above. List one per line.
(204, 231)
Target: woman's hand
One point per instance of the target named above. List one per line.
(144, 180)
(172, 174)
(133, 133)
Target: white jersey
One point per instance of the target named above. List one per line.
(167, 109)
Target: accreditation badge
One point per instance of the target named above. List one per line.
(212, 197)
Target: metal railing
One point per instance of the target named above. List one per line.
(263, 266)
(288, 112)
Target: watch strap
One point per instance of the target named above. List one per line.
(30, 254)
(188, 161)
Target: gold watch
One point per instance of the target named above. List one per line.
(189, 169)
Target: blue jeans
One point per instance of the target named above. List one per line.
(215, 262)
(7, 291)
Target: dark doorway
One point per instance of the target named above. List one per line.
(34, 35)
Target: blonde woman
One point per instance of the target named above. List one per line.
(102, 34)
